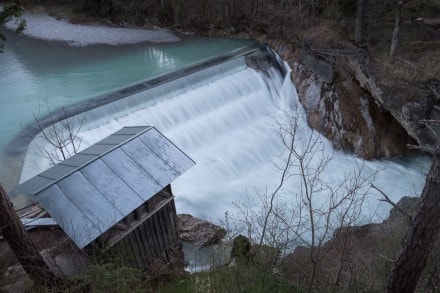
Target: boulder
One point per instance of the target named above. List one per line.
(241, 250)
(199, 232)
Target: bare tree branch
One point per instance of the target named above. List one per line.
(388, 200)
(58, 141)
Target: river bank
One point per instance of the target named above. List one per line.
(41, 25)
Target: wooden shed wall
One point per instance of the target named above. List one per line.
(149, 233)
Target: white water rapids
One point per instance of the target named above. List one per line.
(222, 117)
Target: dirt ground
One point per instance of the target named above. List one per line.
(51, 242)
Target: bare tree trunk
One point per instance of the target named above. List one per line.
(284, 176)
(360, 20)
(313, 274)
(420, 239)
(13, 231)
(396, 31)
(256, 12)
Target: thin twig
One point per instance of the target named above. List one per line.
(388, 200)
(387, 258)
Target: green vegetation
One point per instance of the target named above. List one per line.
(9, 12)
(242, 278)
(239, 278)
(109, 278)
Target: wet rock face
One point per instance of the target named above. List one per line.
(259, 60)
(348, 116)
(199, 232)
(425, 106)
(324, 70)
(372, 119)
(410, 105)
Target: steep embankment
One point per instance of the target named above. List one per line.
(357, 256)
(356, 106)
(362, 100)
(369, 105)
(347, 113)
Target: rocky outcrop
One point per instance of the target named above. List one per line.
(409, 104)
(347, 114)
(359, 112)
(324, 70)
(199, 232)
(342, 108)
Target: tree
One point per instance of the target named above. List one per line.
(420, 238)
(360, 21)
(11, 227)
(19, 241)
(58, 138)
(397, 21)
(10, 11)
(317, 208)
(323, 206)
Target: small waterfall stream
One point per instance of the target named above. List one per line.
(223, 118)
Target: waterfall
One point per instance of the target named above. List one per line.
(223, 118)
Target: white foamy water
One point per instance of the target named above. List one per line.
(43, 26)
(222, 117)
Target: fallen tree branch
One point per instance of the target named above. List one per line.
(432, 151)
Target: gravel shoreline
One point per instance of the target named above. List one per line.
(43, 26)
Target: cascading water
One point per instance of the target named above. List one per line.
(223, 118)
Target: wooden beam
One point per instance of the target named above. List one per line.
(139, 221)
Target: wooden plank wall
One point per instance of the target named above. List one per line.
(156, 237)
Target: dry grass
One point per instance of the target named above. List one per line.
(430, 63)
(411, 67)
(327, 34)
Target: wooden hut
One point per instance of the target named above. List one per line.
(117, 193)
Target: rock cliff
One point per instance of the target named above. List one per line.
(348, 115)
(411, 104)
(366, 106)
(346, 106)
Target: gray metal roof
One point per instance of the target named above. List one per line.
(93, 190)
